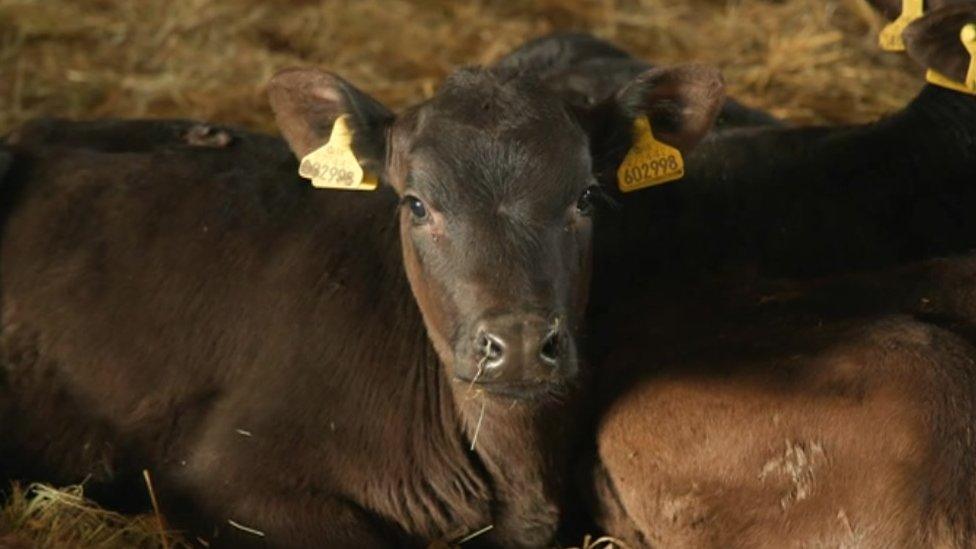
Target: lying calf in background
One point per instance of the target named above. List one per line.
(832, 411)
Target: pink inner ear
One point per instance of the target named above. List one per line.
(690, 96)
(327, 93)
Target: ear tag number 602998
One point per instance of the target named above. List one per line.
(649, 161)
(334, 165)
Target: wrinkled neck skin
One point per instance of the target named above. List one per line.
(507, 459)
(508, 472)
(523, 446)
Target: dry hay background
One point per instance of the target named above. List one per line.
(805, 60)
(809, 61)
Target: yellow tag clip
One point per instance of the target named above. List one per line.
(890, 37)
(334, 166)
(649, 161)
(968, 37)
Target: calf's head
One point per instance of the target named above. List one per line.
(498, 186)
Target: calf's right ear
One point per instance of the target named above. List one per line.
(307, 102)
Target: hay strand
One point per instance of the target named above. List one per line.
(481, 419)
(247, 529)
(155, 506)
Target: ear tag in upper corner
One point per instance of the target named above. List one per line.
(968, 37)
(649, 161)
(334, 166)
(890, 37)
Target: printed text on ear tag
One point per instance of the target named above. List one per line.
(649, 162)
(968, 38)
(334, 166)
(890, 37)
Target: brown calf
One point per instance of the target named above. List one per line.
(321, 368)
(830, 414)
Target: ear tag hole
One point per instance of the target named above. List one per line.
(334, 165)
(968, 38)
(649, 161)
(890, 37)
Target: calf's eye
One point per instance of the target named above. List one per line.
(584, 204)
(417, 208)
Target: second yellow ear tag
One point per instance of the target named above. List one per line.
(968, 38)
(334, 165)
(649, 161)
(890, 37)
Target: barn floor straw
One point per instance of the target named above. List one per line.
(810, 61)
(43, 517)
(806, 60)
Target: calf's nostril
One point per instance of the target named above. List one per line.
(490, 347)
(549, 351)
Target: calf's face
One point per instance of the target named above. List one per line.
(498, 192)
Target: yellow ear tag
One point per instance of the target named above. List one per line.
(890, 37)
(649, 161)
(968, 37)
(334, 166)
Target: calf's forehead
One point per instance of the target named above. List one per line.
(496, 134)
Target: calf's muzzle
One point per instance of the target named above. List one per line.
(516, 350)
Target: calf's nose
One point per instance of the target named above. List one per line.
(517, 348)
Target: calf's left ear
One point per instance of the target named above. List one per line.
(307, 102)
(681, 102)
